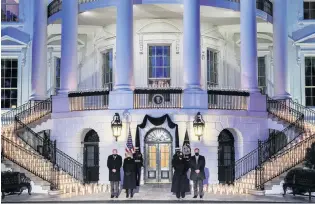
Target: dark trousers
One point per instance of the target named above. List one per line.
(114, 188)
(129, 191)
(178, 194)
(198, 184)
(138, 176)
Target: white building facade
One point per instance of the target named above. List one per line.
(157, 63)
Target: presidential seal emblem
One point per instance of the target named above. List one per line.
(158, 99)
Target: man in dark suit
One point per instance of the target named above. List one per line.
(114, 163)
(137, 156)
(197, 175)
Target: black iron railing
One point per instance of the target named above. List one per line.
(35, 111)
(227, 99)
(309, 114)
(8, 117)
(55, 5)
(267, 149)
(88, 100)
(157, 98)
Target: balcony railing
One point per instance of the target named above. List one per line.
(227, 99)
(157, 98)
(55, 5)
(9, 12)
(88, 100)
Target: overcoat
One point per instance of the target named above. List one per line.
(138, 159)
(129, 173)
(194, 166)
(114, 163)
(180, 182)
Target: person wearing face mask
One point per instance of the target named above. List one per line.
(114, 163)
(180, 182)
(197, 175)
(139, 164)
(129, 175)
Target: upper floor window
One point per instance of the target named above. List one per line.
(212, 67)
(309, 9)
(57, 72)
(310, 81)
(159, 66)
(108, 69)
(262, 73)
(9, 74)
(10, 10)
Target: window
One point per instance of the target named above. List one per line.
(309, 9)
(262, 73)
(9, 11)
(310, 81)
(159, 66)
(57, 73)
(9, 74)
(212, 67)
(108, 69)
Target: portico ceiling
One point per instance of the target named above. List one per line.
(212, 15)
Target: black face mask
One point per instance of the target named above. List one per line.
(197, 153)
(114, 155)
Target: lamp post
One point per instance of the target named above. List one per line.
(199, 125)
(116, 126)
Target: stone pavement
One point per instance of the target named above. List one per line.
(154, 194)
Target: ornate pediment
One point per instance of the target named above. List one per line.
(13, 38)
(55, 40)
(305, 36)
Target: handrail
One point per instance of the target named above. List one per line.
(15, 148)
(8, 117)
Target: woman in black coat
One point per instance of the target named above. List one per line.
(180, 183)
(129, 175)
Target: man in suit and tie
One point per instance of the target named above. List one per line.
(114, 163)
(197, 175)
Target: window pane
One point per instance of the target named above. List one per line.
(308, 81)
(159, 63)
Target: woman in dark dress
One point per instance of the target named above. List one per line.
(180, 183)
(129, 175)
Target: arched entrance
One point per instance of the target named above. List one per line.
(158, 155)
(91, 157)
(226, 157)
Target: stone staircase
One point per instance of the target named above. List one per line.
(66, 175)
(275, 166)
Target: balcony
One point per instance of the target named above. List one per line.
(55, 5)
(9, 12)
(228, 99)
(156, 98)
(88, 100)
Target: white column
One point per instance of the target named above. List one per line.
(39, 51)
(249, 79)
(192, 64)
(280, 49)
(69, 56)
(124, 46)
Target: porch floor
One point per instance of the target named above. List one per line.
(154, 193)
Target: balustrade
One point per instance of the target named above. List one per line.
(88, 100)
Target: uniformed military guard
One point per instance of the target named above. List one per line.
(139, 164)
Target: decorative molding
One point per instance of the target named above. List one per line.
(271, 57)
(23, 60)
(140, 43)
(298, 56)
(161, 21)
(177, 43)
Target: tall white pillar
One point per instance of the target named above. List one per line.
(192, 64)
(122, 96)
(280, 50)
(249, 79)
(69, 56)
(39, 51)
(124, 46)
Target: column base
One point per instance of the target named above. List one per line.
(257, 102)
(195, 99)
(282, 96)
(120, 99)
(60, 103)
(35, 97)
(122, 87)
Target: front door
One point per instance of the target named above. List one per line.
(158, 155)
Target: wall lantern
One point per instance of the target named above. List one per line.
(116, 126)
(199, 125)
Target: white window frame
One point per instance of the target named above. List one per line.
(104, 83)
(217, 63)
(312, 76)
(17, 83)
